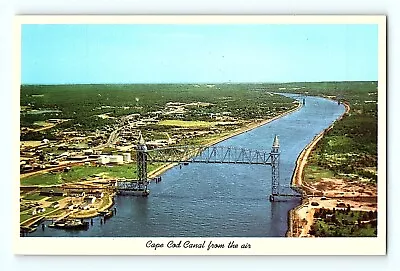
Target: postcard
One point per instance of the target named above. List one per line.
(200, 135)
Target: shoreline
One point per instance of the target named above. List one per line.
(297, 177)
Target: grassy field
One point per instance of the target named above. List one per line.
(35, 196)
(25, 215)
(315, 173)
(77, 173)
(182, 123)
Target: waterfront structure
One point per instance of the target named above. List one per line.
(137, 187)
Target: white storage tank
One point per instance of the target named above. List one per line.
(116, 159)
(103, 159)
(127, 157)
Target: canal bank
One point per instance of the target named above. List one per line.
(301, 217)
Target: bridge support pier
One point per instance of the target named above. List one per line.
(275, 155)
(141, 158)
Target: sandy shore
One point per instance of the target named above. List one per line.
(301, 217)
(161, 170)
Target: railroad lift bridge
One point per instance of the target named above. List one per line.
(301, 97)
(207, 155)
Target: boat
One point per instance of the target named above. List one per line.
(107, 214)
(76, 224)
(70, 224)
(58, 225)
(145, 193)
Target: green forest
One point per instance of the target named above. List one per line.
(82, 103)
(344, 223)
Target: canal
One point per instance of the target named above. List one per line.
(219, 200)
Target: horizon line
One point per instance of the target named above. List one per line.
(192, 83)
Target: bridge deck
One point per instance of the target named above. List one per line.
(212, 154)
(207, 162)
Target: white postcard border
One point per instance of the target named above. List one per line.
(259, 246)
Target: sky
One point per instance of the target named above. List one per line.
(95, 54)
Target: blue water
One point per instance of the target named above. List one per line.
(211, 200)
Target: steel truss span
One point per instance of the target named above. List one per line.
(212, 154)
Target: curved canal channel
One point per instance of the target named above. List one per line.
(219, 200)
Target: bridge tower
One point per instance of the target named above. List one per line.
(275, 155)
(141, 158)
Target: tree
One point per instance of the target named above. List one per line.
(371, 215)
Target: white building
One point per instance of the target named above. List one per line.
(127, 157)
(113, 159)
(116, 159)
(45, 141)
(103, 159)
(88, 152)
